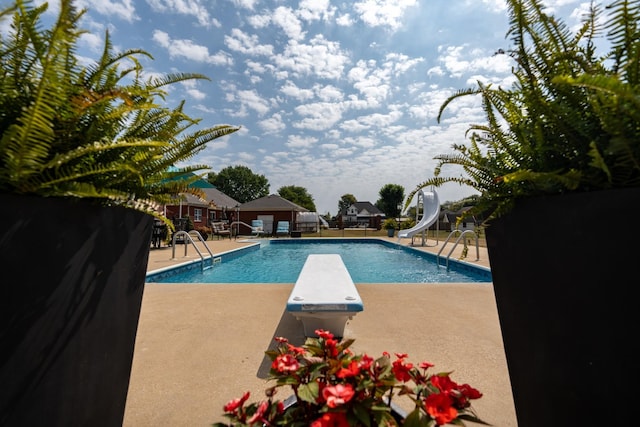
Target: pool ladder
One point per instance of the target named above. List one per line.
(456, 244)
(188, 239)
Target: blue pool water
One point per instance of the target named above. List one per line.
(368, 261)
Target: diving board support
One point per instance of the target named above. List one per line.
(324, 295)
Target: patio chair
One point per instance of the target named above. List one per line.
(257, 227)
(220, 230)
(283, 228)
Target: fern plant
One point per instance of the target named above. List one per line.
(98, 131)
(571, 120)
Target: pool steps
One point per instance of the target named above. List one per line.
(324, 295)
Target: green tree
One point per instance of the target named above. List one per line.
(462, 203)
(298, 195)
(391, 196)
(240, 183)
(345, 201)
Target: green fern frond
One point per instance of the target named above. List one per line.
(99, 131)
(569, 123)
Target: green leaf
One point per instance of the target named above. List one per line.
(309, 392)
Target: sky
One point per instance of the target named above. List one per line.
(337, 97)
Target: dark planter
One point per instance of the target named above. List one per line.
(73, 279)
(390, 232)
(563, 272)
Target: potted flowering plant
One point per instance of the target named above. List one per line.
(390, 224)
(558, 153)
(332, 386)
(87, 156)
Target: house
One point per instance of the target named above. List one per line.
(448, 220)
(215, 206)
(361, 214)
(270, 209)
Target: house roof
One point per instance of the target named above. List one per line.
(451, 216)
(220, 199)
(212, 196)
(272, 202)
(191, 200)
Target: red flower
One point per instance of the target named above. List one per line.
(285, 363)
(259, 415)
(469, 391)
(337, 395)
(426, 365)
(443, 383)
(463, 394)
(401, 370)
(365, 362)
(234, 404)
(331, 419)
(324, 334)
(331, 347)
(350, 371)
(297, 350)
(438, 405)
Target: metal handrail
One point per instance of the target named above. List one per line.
(190, 240)
(253, 229)
(456, 244)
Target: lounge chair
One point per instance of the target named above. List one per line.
(220, 230)
(257, 227)
(283, 228)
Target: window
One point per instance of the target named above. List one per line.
(197, 215)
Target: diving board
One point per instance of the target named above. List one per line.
(324, 295)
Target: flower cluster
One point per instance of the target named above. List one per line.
(332, 386)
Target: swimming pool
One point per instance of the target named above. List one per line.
(368, 261)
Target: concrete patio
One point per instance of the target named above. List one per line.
(200, 345)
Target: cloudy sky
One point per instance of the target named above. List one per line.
(334, 96)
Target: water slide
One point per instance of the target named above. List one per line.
(430, 213)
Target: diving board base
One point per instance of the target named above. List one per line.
(334, 322)
(324, 296)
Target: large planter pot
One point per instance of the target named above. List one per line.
(390, 232)
(563, 272)
(73, 278)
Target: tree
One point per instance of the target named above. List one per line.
(298, 195)
(240, 183)
(391, 196)
(345, 201)
(459, 204)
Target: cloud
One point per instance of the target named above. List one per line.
(189, 50)
(383, 13)
(193, 8)
(124, 9)
(273, 124)
(241, 42)
(320, 58)
(318, 116)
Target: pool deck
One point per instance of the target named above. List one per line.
(198, 346)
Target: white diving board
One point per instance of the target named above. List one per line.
(324, 295)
